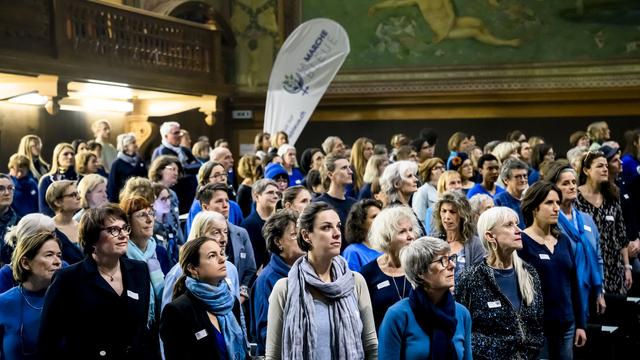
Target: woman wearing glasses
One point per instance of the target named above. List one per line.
(143, 246)
(502, 293)
(166, 170)
(428, 324)
(62, 196)
(599, 197)
(99, 307)
(34, 262)
(549, 251)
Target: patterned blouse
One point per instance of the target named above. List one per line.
(613, 238)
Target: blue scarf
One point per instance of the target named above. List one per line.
(586, 258)
(219, 301)
(438, 321)
(155, 272)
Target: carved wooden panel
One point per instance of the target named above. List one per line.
(26, 25)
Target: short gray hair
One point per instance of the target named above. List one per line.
(125, 139)
(393, 174)
(476, 202)
(30, 224)
(166, 127)
(261, 185)
(328, 144)
(510, 165)
(386, 225)
(417, 256)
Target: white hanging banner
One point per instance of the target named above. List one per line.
(305, 66)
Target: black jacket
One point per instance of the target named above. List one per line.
(83, 318)
(186, 331)
(500, 332)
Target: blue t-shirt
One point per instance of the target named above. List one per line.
(20, 311)
(359, 255)
(508, 283)
(506, 199)
(404, 339)
(479, 189)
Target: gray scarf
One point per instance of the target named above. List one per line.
(178, 150)
(299, 330)
(131, 160)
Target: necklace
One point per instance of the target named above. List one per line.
(27, 300)
(404, 284)
(109, 275)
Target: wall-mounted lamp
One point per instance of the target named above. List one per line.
(101, 105)
(32, 98)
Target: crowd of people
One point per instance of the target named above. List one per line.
(498, 252)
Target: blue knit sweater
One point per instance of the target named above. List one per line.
(18, 312)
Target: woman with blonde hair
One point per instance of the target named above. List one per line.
(429, 171)
(29, 225)
(510, 327)
(62, 196)
(35, 260)
(506, 150)
(448, 181)
(361, 152)
(93, 193)
(393, 228)
(250, 170)
(278, 139)
(374, 169)
(31, 147)
(62, 168)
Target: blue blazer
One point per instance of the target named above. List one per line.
(243, 257)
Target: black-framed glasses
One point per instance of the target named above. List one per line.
(145, 214)
(446, 260)
(115, 231)
(7, 189)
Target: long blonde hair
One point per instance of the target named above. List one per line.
(24, 148)
(488, 220)
(358, 162)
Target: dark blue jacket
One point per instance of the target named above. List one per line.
(121, 171)
(25, 196)
(45, 182)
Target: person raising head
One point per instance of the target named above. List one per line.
(429, 324)
(515, 325)
(320, 297)
(202, 300)
(296, 198)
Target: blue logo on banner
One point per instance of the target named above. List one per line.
(293, 84)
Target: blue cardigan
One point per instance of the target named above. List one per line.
(401, 337)
(25, 196)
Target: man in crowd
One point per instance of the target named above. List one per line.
(102, 130)
(514, 175)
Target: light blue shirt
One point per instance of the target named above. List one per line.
(401, 337)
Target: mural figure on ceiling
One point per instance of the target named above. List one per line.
(255, 26)
(441, 17)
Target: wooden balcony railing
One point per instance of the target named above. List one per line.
(96, 40)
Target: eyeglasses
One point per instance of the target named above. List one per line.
(115, 231)
(7, 189)
(446, 260)
(145, 214)
(74, 194)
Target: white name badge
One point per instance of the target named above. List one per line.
(383, 284)
(243, 255)
(177, 209)
(544, 257)
(610, 218)
(462, 260)
(494, 304)
(201, 334)
(588, 228)
(33, 192)
(132, 295)
(626, 196)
